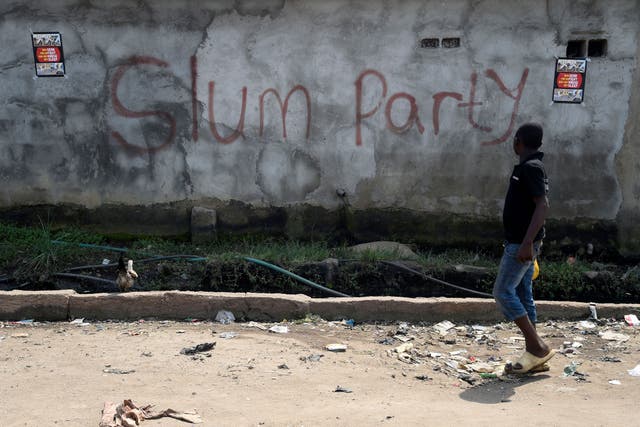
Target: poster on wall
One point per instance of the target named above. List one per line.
(568, 85)
(48, 54)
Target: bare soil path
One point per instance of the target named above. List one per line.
(53, 374)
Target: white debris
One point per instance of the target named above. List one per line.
(614, 336)
(482, 367)
(278, 329)
(632, 320)
(403, 348)
(443, 327)
(225, 317)
(228, 335)
(585, 324)
(635, 372)
(256, 325)
(337, 348)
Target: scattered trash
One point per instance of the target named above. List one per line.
(279, 329)
(487, 375)
(312, 358)
(336, 348)
(403, 329)
(593, 312)
(423, 378)
(349, 323)
(118, 371)
(225, 317)
(228, 335)
(386, 341)
(610, 359)
(147, 354)
(106, 261)
(482, 367)
(570, 347)
(569, 370)
(635, 372)
(80, 322)
(283, 366)
(342, 390)
(20, 336)
(256, 325)
(180, 331)
(572, 371)
(632, 320)
(585, 324)
(403, 348)
(129, 414)
(25, 322)
(614, 336)
(443, 327)
(200, 348)
(615, 382)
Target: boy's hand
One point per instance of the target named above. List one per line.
(525, 253)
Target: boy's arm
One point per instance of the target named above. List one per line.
(525, 253)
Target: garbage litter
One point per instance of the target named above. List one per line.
(225, 317)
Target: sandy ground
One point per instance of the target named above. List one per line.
(55, 376)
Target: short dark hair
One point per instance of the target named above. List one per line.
(530, 134)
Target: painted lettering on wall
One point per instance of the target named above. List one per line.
(438, 98)
(123, 111)
(370, 79)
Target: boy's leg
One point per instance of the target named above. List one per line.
(511, 274)
(525, 294)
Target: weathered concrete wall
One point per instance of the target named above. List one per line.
(178, 102)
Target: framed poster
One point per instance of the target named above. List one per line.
(48, 54)
(569, 81)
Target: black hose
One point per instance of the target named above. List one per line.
(114, 264)
(83, 277)
(433, 279)
(295, 276)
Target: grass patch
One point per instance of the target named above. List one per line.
(30, 254)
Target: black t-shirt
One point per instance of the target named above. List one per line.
(528, 180)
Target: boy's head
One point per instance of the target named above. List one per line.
(528, 136)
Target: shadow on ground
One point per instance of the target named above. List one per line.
(498, 391)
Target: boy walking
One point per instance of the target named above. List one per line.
(525, 210)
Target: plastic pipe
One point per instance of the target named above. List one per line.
(295, 276)
(438, 281)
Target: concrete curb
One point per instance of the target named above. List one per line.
(65, 305)
(50, 305)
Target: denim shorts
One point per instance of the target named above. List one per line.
(513, 289)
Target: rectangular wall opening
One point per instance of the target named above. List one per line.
(597, 48)
(577, 49)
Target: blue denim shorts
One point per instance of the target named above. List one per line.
(513, 288)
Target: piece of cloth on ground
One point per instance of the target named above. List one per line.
(128, 414)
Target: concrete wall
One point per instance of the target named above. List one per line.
(177, 102)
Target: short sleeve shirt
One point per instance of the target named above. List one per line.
(528, 181)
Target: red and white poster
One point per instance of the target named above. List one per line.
(568, 86)
(48, 54)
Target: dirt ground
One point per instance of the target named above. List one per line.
(57, 374)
